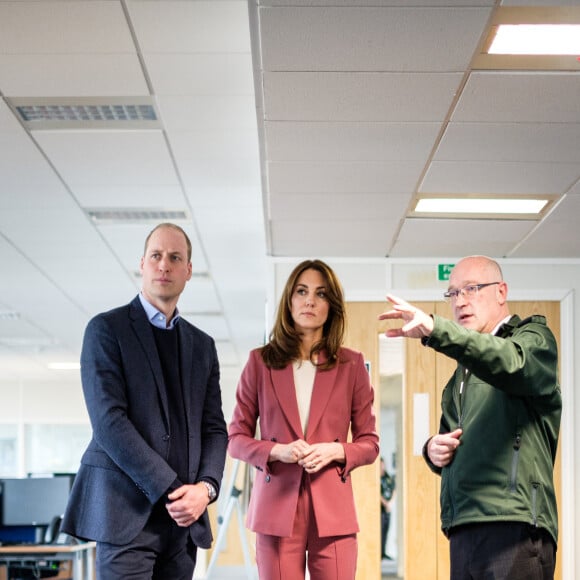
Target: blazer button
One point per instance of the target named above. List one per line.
(165, 437)
(268, 479)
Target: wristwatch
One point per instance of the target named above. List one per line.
(211, 492)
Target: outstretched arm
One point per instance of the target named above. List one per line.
(417, 323)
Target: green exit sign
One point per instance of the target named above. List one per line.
(443, 271)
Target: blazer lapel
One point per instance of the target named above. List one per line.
(324, 382)
(142, 328)
(283, 384)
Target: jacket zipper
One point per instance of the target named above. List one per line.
(459, 405)
(515, 460)
(534, 501)
(462, 388)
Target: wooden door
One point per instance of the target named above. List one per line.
(425, 548)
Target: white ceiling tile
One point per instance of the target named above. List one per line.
(217, 144)
(200, 298)
(118, 158)
(558, 235)
(328, 96)
(204, 174)
(74, 75)
(499, 177)
(18, 199)
(22, 164)
(142, 195)
(369, 177)
(174, 26)
(337, 206)
(469, 236)
(56, 281)
(201, 74)
(341, 142)
(332, 238)
(228, 198)
(8, 122)
(370, 38)
(63, 27)
(215, 326)
(202, 112)
(530, 142)
(520, 97)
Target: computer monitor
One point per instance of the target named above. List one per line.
(33, 501)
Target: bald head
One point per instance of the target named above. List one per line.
(487, 306)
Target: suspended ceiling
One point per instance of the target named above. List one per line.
(302, 128)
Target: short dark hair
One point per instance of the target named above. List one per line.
(173, 227)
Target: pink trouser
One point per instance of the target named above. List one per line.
(331, 558)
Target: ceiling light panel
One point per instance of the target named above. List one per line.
(486, 207)
(479, 206)
(536, 39)
(136, 215)
(532, 22)
(35, 113)
(86, 113)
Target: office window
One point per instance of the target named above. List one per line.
(55, 448)
(8, 450)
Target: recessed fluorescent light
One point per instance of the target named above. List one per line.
(135, 215)
(64, 366)
(97, 112)
(65, 113)
(536, 39)
(9, 315)
(480, 205)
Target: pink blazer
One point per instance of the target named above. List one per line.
(342, 398)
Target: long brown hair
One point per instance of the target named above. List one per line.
(284, 344)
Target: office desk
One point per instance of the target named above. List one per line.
(81, 556)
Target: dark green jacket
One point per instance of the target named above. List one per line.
(509, 411)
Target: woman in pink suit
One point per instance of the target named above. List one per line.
(307, 391)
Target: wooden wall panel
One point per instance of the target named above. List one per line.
(551, 310)
(362, 334)
(420, 484)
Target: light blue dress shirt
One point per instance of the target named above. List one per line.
(157, 318)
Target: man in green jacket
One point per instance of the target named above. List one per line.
(499, 427)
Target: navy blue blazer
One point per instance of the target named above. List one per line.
(124, 469)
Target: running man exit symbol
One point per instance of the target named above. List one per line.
(444, 270)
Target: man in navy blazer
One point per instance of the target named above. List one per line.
(156, 458)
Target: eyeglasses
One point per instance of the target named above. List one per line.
(468, 291)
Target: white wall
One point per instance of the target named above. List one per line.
(417, 279)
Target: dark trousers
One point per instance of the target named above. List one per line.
(385, 522)
(501, 551)
(162, 551)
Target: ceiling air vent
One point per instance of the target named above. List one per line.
(86, 113)
(9, 315)
(136, 215)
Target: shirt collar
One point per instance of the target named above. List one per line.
(506, 319)
(157, 318)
